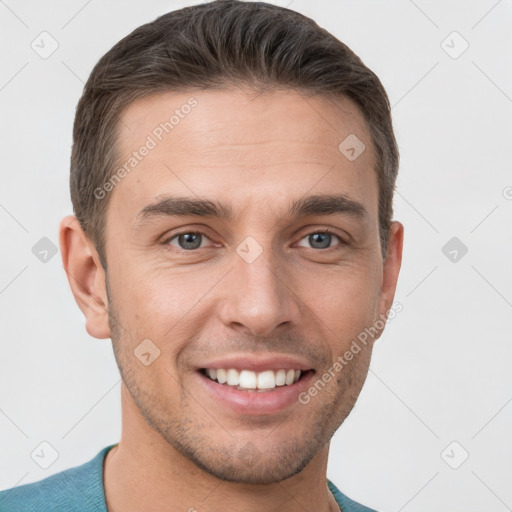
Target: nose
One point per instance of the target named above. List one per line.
(258, 297)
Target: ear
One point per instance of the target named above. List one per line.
(391, 269)
(86, 276)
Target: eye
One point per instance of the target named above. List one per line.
(322, 239)
(193, 240)
(187, 241)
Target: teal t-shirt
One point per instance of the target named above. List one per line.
(80, 489)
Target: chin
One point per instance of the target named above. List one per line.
(249, 464)
(261, 473)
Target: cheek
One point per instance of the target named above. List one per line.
(162, 304)
(346, 301)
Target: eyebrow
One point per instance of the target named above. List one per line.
(173, 206)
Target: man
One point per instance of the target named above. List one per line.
(232, 178)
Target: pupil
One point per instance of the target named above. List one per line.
(323, 238)
(190, 240)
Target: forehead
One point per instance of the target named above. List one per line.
(242, 146)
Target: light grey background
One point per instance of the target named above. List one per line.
(441, 371)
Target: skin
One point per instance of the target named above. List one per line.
(256, 153)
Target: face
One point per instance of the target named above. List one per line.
(243, 239)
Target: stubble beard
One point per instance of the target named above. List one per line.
(229, 456)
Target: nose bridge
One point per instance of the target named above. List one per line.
(257, 296)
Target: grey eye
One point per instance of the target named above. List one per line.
(320, 240)
(188, 241)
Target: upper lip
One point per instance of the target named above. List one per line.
(258, 364)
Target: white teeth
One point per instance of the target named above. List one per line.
(266, 380)
(233, 377)
(247, 379)
(280, 377)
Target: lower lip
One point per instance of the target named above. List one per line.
(256, 402)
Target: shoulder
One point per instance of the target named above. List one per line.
(345, 503)
(73, 490)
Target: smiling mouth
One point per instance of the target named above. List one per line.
(248, 380)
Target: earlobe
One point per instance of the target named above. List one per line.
(86, 276)
(391, 268)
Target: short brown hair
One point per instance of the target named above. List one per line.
(225, 42)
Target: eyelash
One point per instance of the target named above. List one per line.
(167, 241)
